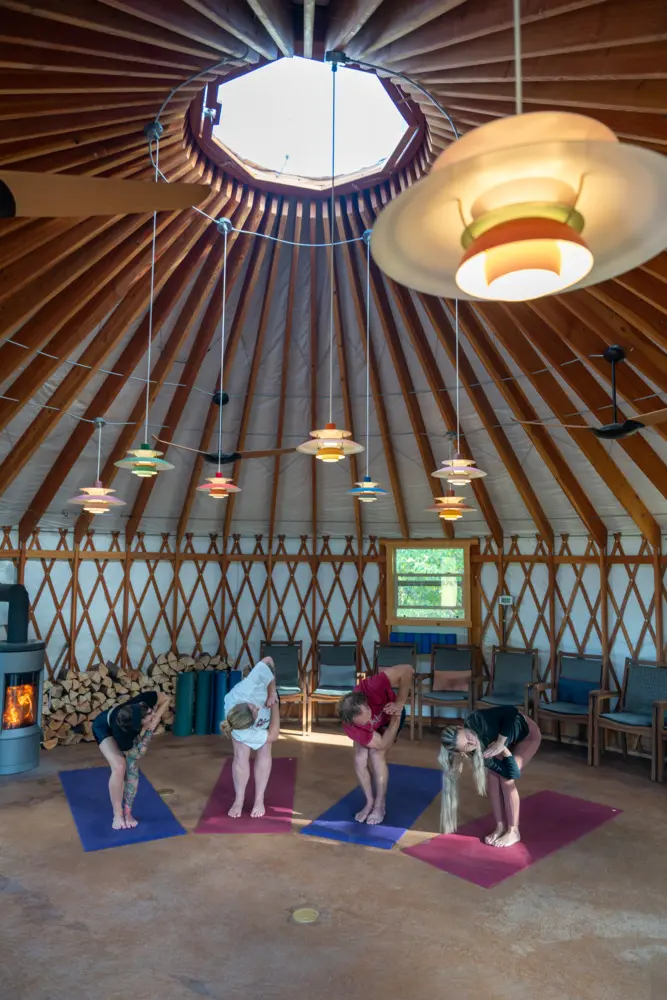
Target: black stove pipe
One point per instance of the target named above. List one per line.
(16, 596)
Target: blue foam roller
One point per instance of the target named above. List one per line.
(203, 703)
(235, 677)
(220, 688)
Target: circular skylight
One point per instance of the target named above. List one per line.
(277, 119)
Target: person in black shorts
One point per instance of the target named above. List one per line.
(499, 742)
(123, 734)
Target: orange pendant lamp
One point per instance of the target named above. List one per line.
(97, 499)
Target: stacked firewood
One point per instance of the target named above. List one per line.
(70, 704)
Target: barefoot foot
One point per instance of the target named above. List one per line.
(493, 837)
(376, 817)
(119, 823)
(130, 821)
(236, 810)
(508, 839)
(364, 813)
(258, 810)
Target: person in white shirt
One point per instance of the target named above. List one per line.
(253, 721)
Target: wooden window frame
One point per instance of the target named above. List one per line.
(391, 545)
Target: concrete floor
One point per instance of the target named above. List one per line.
(209, 916)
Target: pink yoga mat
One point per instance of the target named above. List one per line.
(279, 801)
(549, 821)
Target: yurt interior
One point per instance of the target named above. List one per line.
(333, 499)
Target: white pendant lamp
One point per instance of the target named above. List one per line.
(330, 444)
(217, 486)
(97, 499)
(458, 471)
(526, 206)
(368, 491)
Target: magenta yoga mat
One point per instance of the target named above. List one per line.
(279, 801)
(549, 821)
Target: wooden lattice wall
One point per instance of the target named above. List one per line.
(99, 602)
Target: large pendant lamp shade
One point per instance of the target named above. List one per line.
(217, 487)
(144, 462)
(97, 499)
(330, 444)
(458, 471)
(368, 491)
(525, 207)
(451, 507)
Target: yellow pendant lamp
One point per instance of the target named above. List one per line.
(450, 507)
(526, 206)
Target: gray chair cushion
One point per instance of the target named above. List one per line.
(564, 708)
(512, 671)
(444, 696)
(286, 660)
(451, 658)
(645, 685)
(285, 690)
(338, 656)
(392, 655)
(329, 692)
(628, 718)
(340, 678)
(498, 699)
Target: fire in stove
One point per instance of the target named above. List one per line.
(20, 707)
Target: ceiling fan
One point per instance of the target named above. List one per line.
(616, 430)
(227, 458)
(29, 195)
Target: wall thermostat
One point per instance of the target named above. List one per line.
(506, 601)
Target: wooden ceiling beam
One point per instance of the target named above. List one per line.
(329, 228)
(274, 253)
(541, 328)
(55, 124)
(29, 238)
(645, 286)
(277, 20)
(71, 79)
(204, 254)
(76, 43)
(238, 21)
(111, 72)
(397, 20)
(642, 315)
(189, 24)
(442, 319)
(18, 108)
(176, 242)
(114, 23)
(499, 320)
(94, 161)
(284, 367)
(253, 250)
(630, 96)
(308, 28)
(355, 268)
(593, 26)
(345, 19)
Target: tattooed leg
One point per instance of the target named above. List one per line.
(132, 776)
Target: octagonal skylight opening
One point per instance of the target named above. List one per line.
(277, 121)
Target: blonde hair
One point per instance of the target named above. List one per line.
(451, 762)
(238, 717)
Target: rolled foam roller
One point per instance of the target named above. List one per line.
(220, 688)
(203, 703)
(185, 704)
(235, 677)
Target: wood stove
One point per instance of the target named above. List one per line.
(21, 684)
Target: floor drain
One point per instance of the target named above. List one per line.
(305, 915)
(165, 791)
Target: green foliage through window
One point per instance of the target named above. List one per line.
(430, 583)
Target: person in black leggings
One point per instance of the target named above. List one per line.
(123, 734)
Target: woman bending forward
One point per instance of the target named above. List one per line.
(123, 734)
(253, 722)
(499, 742)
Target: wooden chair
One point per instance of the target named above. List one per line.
(576, 678)
(392, 654)
(334, 674)
(291, 681)
(513, 671)
(660, 728)
(450, 683)
(641, 700)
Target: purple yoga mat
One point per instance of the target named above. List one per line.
(549, 821)
(279, 801)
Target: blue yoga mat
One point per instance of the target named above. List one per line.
(411, 790)
(87, 792)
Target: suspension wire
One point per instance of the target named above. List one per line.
(152, 296)
(100, 425)
(368, 349)
(458, 380)
(517, 58)
(197, 76)
(331, 234)
(222, 344)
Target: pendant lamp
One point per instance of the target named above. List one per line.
(97, 499)
(217, 486)
(330, 444)
(450, 507)
(368, 491)
(527, 206)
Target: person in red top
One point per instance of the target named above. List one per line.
(372, 715)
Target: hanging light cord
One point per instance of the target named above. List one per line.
(100, 425)
(368, 349)
(331, 234)
(517, 58)
(152, 296)
(458, 382)
(222, 346)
